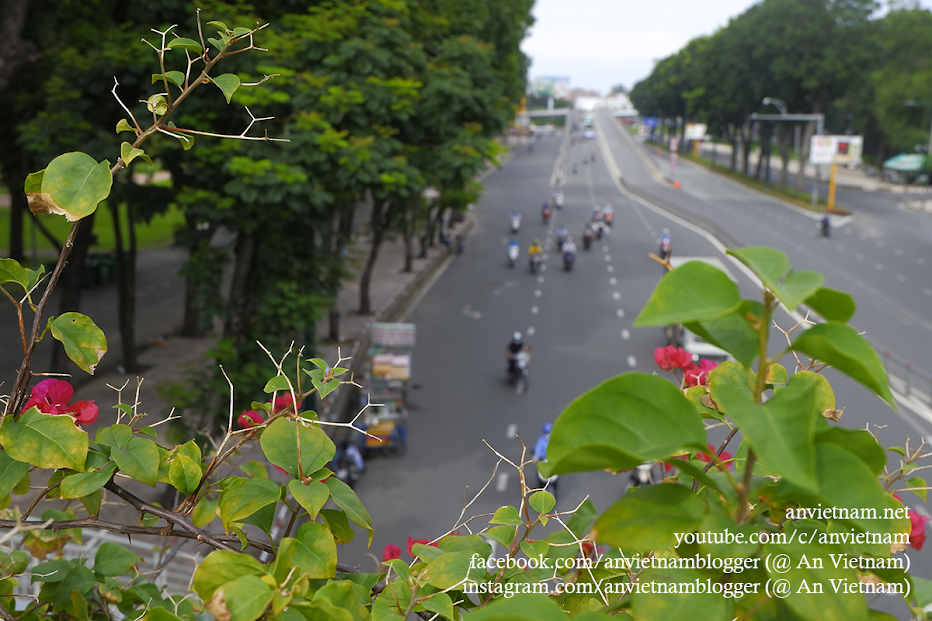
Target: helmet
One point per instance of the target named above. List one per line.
(547, 428)
(516, 338)
(536, 243)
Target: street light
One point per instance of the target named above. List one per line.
(779, 104)
(923, 104)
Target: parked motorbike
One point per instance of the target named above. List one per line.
(514, 249)
(535, 263)
(519, 372)
(348, 464)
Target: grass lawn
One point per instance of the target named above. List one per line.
(156, 234)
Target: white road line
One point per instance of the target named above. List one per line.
(632, 361)
(538, 293)
(512, 431)
(604, 248)
(616, 295)
(921, 261)
(625, 334)
(899, 252)
(612, 281)
(610, 269)
(543, 268)
(502, 482)
(620, 312)
(880, 244)
(879, 266)
(859, 257)
(841, 248)
(901, 278)
(531, 331)
(927, 291)
(540, 279)
(608, 258)
(534, 310)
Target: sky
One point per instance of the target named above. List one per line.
(601, 43)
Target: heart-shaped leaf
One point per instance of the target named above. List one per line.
(279, 442)
(228, 83)
(694, 291)
(833, 305)
(84, 342)
(185, 44)
(72, 185)
(140, 460)
(128, 153)
(44, 440)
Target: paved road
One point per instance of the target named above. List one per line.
(578, 324)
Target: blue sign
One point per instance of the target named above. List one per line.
(650, 121)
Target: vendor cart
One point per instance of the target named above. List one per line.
(387, 379)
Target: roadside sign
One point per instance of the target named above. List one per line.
(835, 149)
(392, 335)
(650, 121)
(695, 131)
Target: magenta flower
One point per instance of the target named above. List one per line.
(51, 396)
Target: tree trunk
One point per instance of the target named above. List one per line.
(191, 324)
(18, 207)
(746, 148)
(764, 145)
(808, 132)
(126, 290)
(734, 150)
(379, 228)
(69, 286)
(235, 325)
(427, 239)
(409, 216)
(783, 144)
(15, 53)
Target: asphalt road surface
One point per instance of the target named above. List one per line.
(578, 325)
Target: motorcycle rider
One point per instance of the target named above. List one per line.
(557, 198)
(540, 454)
(514, 250)
(569, 253)
(516, 345)
(562, 234)
(608, 213)
(587, 236)
(825, 225)
(666, 244)
(515, 221)
(545, 212)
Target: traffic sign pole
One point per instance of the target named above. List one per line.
(831, 188)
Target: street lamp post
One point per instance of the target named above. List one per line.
(924, 104)
(780, 105)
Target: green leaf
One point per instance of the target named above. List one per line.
(157, 104)
(521, 607)
(441, 604)
(84, 342)
(78, 605)
(242, 501)
(185, 44)
(112, 559)
(345, 498)
(228, 83)
(158, 613)
(448, 570)
(128, 153)
(504, 535)
(114, 436)
(325, 389)
(782, 431)
(312, 496)
(72, 185)
(824, 395)
(124, 126)
(776, 374)
(279, 383)
(338, 524)
(140, 460)
(85, 483)
(221, 567)
(657, 605)
(918, 484)
(833, 305)
(184, 474)
(11, 473)
(319, 363)
(695, 291)
(204, 513)
(45, 441)
(316, 551)
(533, 549)
(621, 423)
(731, 333)
(243, 599)
(175, 77)
(542, 502)
(220, 26)
(508, 516)
(280, 445)
(191, 449)
(858, 441)
(12, 271)
(22, 488)
(847, 351)
(646, 518)
(92, 503)
(772, 267)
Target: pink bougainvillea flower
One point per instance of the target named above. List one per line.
(698, 375)
(281, 403)
(725, 456)
(391, 552)
(917, 527)
(670, 357)
(411, 542)
(248, 419)
(51, 396)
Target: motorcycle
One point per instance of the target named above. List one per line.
(607, 217)
(666, 247)
(348, 464)
(642, 475)
(548, 483)
(535, 263)
(599, 230)
(587, 238)
(513, 251)
(515, 224)
(592, 156)
(568, 259)
(562, 234)
(825, 226)
(545, 213)
(558, 200)
(518, 372)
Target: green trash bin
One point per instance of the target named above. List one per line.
(106, 268)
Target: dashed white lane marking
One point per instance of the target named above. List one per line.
(616, 295)
(859, 257)
(927, 291)
(608, 258)
(880, 244)
(799, 228)
(612, 281)
(901, 278)
(604, 248)
(632, 361)
(863, 237)
(540, 279)
(879, 266)
(921, 261)
(841, 248)
(538, 293)
(502, 482)
(610, 269)
(620, 312)
(543, 268)
(512, 431)
(534, 310)
(625, 334)
(546, 256)
(899, 252)
(531, 331)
